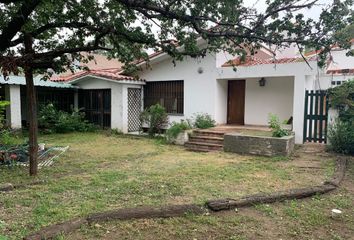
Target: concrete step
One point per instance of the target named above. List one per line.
(208, 133)
(206, 139)
(203, 147)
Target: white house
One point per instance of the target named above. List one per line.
(231, 91)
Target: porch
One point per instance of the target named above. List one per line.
(212, 139)
(249, 101)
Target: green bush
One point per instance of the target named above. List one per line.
(341, 133)
(203, 121)
(342, 98)
(3, 105)
(155, 117)
(341, 137)
(52, 120)
(274, 124)
(177, 128)
(9, 138)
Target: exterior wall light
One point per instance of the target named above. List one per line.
(262, 82)
(200, 70)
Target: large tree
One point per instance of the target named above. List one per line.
(37, 35)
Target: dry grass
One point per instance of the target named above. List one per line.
(102, 172)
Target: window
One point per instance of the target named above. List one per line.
(168, 94)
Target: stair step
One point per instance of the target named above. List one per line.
(208, 133)
(205, 141)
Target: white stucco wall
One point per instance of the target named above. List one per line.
(13, 112)
(275, 97)
(199, 89)
(340, 60)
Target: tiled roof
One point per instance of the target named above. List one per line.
(341, 71)
(112, 74)
(253, 61)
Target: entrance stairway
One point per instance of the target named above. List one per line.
(205, 141)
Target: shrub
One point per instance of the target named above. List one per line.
(203, 121)
(155, 117)
(177, 128)
(341, 133)
(342, 98)
(52, 120)
(341, 137)
(3, 105)
(274, 124)
(9, 138)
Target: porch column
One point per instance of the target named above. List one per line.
(76, 100)
(116, 107)
(13, 112)
(298, 107)
(125, 109)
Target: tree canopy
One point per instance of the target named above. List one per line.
(61, 29)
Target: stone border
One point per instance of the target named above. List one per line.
(259, 145)
(168, 211)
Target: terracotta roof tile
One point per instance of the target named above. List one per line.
(341, 71)
(111, 73)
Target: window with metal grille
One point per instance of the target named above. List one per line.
(169, 94)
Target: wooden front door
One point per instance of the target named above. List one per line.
(236, 102)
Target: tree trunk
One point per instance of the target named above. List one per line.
(32, 111)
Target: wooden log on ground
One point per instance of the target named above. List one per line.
(147, 212)
(6, 187)
(341, 165)
(226, 204)
(33, 183)
(52, 231)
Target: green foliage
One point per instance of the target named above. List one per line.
(3, 105)
(155, 117)
(52, 120)
(274, 124)
(203, 121)
(341, 137)
(9, 138)
(177, 128)
(342, 98)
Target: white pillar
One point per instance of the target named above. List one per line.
(298, 108)
(13, 112)
(116, 107)
(125, 109)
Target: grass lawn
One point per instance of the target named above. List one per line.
(101, 172)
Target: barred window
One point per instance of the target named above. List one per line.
(169, 94)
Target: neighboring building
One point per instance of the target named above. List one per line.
(231, 91)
